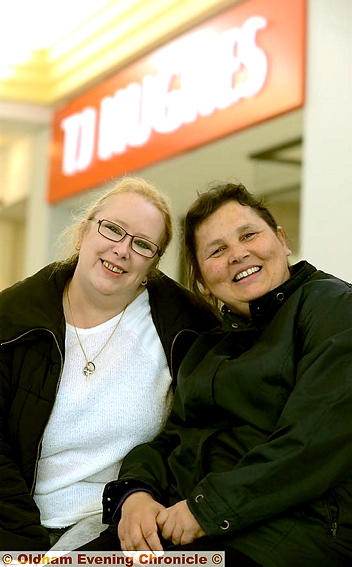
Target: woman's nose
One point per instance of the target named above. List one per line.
(122, 248)
(238, 252)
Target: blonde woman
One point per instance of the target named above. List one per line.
(90, 348)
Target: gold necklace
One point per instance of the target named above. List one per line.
(89, 367)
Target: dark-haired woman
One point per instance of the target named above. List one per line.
(255, 458)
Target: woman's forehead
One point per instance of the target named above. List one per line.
(231, 214)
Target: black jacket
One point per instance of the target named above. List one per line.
(32, 351)
(259, 440)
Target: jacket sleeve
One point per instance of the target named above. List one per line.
(144, 467)
(309, 452)
(20, 527)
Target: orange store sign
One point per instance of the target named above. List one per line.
(240, 68)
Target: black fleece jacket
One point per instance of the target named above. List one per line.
(32, 352)
(259, 437)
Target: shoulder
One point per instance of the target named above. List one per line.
(325, 305)
(34, 301)
(326, 287)
(309, 284)
(22, 287)
(173, 299)
(48, 277)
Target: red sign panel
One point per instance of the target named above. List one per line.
(238, 69)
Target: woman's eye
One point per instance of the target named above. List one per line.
(114, 228)
(249, 235)
(217, 252)
(142, 244)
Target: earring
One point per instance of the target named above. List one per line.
(144, 281)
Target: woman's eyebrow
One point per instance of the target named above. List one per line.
(215, 242)
(123, 224)
(238, 230)
(245, 227)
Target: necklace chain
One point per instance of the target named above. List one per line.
(89, 367)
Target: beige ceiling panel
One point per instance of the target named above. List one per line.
(120, 33)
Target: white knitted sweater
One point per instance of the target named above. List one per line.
(95, 423)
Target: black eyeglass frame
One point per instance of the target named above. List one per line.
(133, 237)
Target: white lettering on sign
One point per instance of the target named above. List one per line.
(210, 73)
(79, 130)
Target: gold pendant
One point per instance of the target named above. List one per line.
(89, 369)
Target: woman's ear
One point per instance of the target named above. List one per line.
(281, 234)
(203, 290)
(83, 227)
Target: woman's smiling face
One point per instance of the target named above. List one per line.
(113, 267)
(240, 257)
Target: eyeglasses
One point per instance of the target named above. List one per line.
(116, 233)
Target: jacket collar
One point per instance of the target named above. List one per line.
(265, 307)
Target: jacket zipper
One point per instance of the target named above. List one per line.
(57, 387)
(333, 529)
(333, 509)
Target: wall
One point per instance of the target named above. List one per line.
(23, 181)
(326, 227)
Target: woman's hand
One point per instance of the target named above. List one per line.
(138, 529)
(178, 524)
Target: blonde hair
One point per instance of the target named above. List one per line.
(136, 185)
